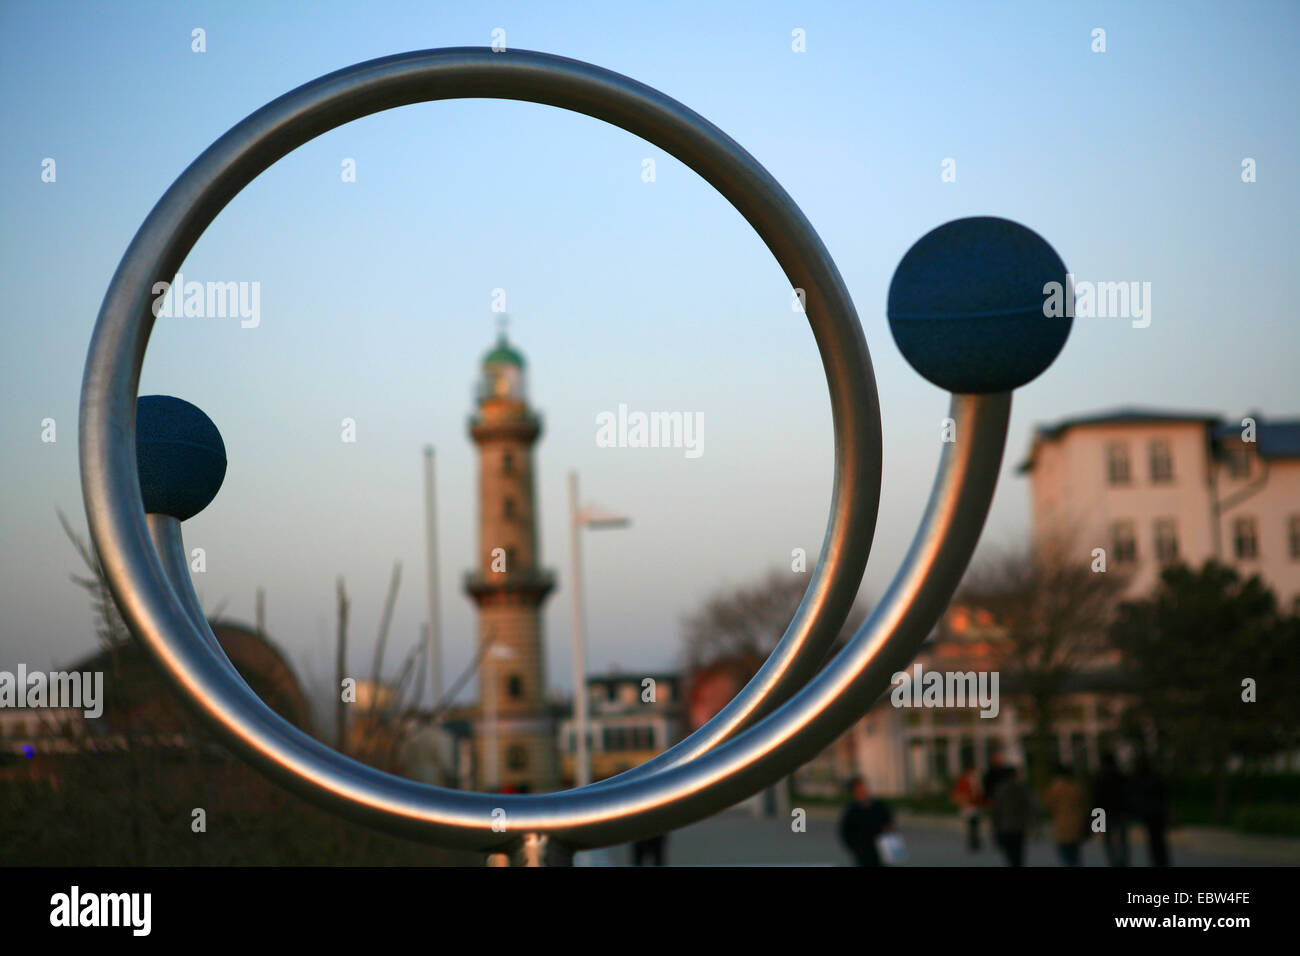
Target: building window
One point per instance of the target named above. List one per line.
(509, 506)
(939, 758)
(1123, 542)
(1245, 540)
(1166, 540)
(1117, 472)
(1162, 461)
(515, 687)
(1294, 537)
(508, 463)
(1238, 462)
(516, 757)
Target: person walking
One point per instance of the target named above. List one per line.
(863, 820)
(1012, 815)
(1110, 793)
(1067, 803)
(969, 798)
(994, 775)
(1150, 800)
(650, 851)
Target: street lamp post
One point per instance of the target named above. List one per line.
(591, 517)
(434, 636)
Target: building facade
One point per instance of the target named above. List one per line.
(515, 729)
(1152, 488)
(631, 720)
(1139, 488)
(919, 750)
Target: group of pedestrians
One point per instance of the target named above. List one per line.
(1003, 797)
(1142, 797)
(1116, 800)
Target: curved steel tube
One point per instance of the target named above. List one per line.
(170, 544)
(624, 810)
(173, 226)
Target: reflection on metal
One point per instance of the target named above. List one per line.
(783, 717)
(166, 533)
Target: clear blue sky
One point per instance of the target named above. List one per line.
(375, 295)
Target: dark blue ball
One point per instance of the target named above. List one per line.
(180, 454)
(966, 305)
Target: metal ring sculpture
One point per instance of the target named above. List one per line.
(790, 710)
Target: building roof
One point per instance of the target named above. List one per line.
(1279, 439)
(1274, 439)
(618, 678)
(1125, 415)
(503, 353)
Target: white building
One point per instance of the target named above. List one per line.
(1148, 488)
(1152, 487)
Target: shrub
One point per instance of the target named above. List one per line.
(1274, 819)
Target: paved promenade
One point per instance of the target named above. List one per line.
(737, 837)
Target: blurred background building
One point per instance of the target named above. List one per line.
(632, 719)
(1149, 488)
(1155, 487)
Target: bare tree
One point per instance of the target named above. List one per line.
(109, 626)
(1055, 609)
(743, 625)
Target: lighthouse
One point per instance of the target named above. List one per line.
(515, 732)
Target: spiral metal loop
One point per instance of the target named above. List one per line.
(780, 719)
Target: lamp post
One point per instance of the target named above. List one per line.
(591, 517)
(434, 647)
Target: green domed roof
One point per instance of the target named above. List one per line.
(503, 353)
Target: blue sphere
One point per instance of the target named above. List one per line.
(180, 454)
(967, 305)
